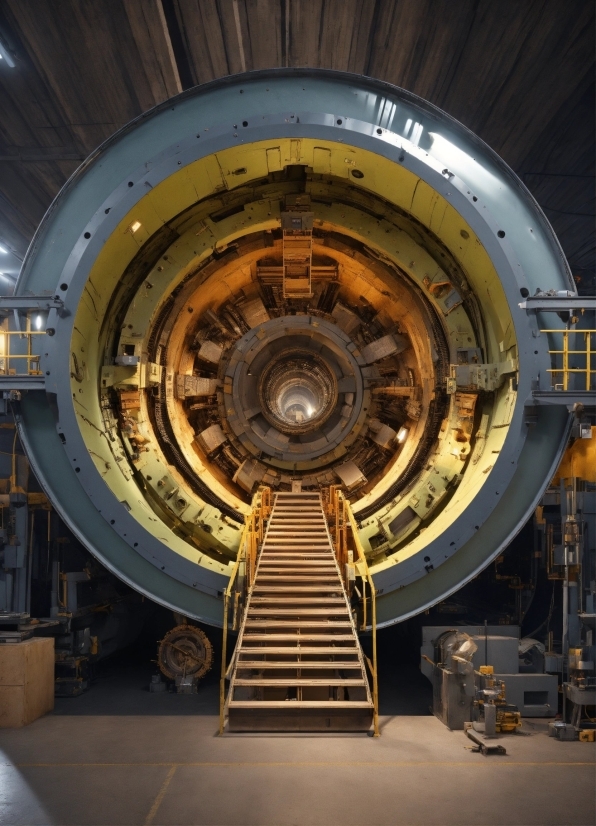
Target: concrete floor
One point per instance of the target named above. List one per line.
(119, 755)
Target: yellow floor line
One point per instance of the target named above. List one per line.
(253, 764)
(160, 796)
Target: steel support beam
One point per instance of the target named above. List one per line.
(23, 382)
(30, 302)
(569, 398)
(558, 304)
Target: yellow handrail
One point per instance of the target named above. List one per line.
(250, 539)
(32, 367)
(340, 507)
(226, 596)
(589, 352)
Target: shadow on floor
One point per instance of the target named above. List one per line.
(121, 687)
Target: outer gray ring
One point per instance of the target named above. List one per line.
(78, 202)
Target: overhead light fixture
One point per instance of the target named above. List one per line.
(401, 436)
(5, 55)
(9, 278)
(3, 250)
(38, 322)
(135, 226)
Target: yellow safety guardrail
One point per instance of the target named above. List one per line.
(344, 528)
(565, 371)
(251, 539)
(6, 357)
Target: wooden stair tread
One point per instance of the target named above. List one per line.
(270, 610)
(298, 682)
(294, 650)
(285, 704)
(290, 596)
(302, 578)
(285, 528)
(316, 558)
(298, 536)
(294, 589)
(313, 496)
(282, 565)
(284, 637)
(293, 544)
(286, 566)
(270, 623)
(297, 547)
(294, 510)
(287, 555)
(293, 539)
(309, 563)
(298, 533)
(265, 665)
(308, 549)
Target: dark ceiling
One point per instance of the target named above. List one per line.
(519, 73)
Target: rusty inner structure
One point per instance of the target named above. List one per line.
(318, 388)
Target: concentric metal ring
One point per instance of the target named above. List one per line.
(297, 391)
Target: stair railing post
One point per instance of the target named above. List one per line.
(373, 601)
(364, 601)
(251, 548)
(242, 554)
(377, 733)
(222, 681)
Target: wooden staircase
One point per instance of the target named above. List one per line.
(298, 665)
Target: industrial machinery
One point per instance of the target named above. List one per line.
(557, 675)
(292, 276)
(566, 522)
(463, 695)
(185, 655)
(492, 655)
(453, 678)
(49, 583)
(496, 715)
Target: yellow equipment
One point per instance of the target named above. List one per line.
(492, 692)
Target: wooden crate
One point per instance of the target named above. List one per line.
(26, 681)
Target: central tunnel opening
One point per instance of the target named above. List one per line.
(298, 391)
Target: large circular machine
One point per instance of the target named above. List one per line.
(293, 275)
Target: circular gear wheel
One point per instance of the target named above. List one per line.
(185, 651)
